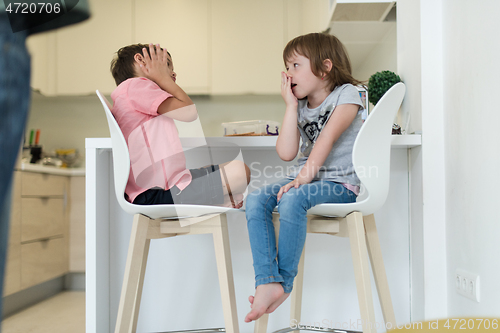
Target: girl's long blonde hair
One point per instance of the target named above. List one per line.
(318, 47)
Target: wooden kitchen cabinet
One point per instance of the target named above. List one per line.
(43, 260)
(42, 218)
(38, 243)
(77, 225)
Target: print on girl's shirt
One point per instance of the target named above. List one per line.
(313, 128)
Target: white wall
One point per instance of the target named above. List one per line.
(447, 56)
(409, 62)
(65, 122)
(471, 71)
(382, 58)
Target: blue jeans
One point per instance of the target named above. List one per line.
(280, 265)
(14, 104)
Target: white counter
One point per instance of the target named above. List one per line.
(257, 142)
(38, 168)
(181, 289)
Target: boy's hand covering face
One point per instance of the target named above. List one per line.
(158, 66)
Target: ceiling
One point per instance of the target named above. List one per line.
(362, 26)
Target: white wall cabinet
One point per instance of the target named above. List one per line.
(218, 46)
(183, 27)
(85, 51)
(75, 60)
(247, 43)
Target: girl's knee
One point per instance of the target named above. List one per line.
(291, 201)
(254, 199)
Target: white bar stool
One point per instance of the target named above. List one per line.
(371, 158)
(162, 221)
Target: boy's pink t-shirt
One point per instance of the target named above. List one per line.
(156, 156)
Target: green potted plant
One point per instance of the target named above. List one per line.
(378, 84)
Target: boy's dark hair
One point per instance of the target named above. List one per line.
(122, 65)
(318, 47)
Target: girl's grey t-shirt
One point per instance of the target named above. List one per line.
(338, 165)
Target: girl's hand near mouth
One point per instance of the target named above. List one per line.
(286, 90)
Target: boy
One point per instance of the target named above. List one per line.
(145, 104)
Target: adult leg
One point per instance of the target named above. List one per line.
(14, 103)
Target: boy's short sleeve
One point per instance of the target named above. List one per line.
(146, 96)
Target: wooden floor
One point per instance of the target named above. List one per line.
(63, 313)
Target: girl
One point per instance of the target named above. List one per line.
(323, 108)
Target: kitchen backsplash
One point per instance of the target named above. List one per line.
(65, 122)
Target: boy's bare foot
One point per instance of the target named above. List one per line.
(236, 203)
(265, 296)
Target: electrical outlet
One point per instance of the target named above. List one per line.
(467, 284)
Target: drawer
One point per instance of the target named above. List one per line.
(42, 261)
(41, 184)
(42, 218)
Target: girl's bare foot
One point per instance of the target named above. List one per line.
(265, 296)
(273, 306)
(277, 303)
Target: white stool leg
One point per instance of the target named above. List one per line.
(261, 324)
(137, 304)
(296, 296)
(361, 270)
(225, 271)
(133, 271)
(379, 270)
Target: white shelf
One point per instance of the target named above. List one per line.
(406, 141)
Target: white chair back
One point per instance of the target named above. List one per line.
(372, 148)
(371, 157)
(121, 158)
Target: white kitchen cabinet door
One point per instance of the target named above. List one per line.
(306, 16)
(247, 45)
(42, 49)
(85, 50)
(183, 28)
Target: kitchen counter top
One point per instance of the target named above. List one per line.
(259, 142)
(51, 169)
